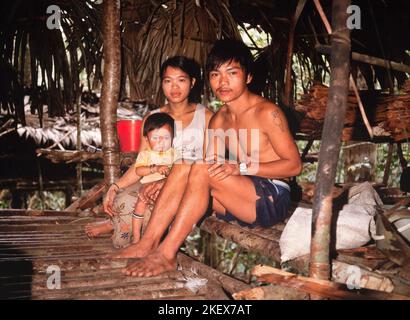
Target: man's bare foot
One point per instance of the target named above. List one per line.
(97, 228)
(153, 264)
(137, 250)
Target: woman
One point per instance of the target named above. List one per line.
(181, 86)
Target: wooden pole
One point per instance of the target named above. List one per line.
(79, 165)
(360, 57)
(331, 141)
(288, 81)
(110, 89)
(386, 173)
(321, 287)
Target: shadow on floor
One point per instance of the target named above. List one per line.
(15, 274)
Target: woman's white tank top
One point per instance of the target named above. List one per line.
(189, 141)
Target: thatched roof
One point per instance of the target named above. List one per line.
(154, 30)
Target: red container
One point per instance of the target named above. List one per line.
(129, 134)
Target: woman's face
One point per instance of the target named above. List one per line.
(176, 84)
(160, 139)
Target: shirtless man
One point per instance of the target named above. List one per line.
(239, 189)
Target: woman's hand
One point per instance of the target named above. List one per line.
(149, 193)
(220, 171)
(109, 200)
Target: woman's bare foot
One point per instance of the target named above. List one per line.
(137, 250)
(97, 228)
(152, 265)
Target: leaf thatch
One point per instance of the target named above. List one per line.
(48, 61)
(187, 28)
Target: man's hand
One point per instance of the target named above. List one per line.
(221, 171)
(109, 200)
(149, 193)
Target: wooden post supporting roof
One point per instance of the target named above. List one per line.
(331, 141)
(288, 80)
(110, 89)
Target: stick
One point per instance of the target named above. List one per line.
(386, 173)
(324, 288)
(369, 59)
(352, 82)
(88, 199)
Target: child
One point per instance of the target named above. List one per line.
(153, 164)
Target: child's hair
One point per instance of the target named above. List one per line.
(156, 121)
(228, 50)
(191, 68)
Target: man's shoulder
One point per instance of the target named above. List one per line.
(219, 116)
(265, 107)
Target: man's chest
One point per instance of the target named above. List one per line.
(246, 136)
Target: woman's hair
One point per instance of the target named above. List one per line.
(228, 50)
(191, 68)
(156, 121)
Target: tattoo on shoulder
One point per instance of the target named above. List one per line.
(277, 120)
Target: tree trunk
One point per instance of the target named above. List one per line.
(331, 140)
(110, 89)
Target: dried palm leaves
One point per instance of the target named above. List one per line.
(187, 28)
(47, 61)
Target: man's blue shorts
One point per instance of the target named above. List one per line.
(271, 208)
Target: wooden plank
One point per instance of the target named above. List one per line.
(270, 292)
(88, 199)
(320, 287)
(57, 219)
(35, 213)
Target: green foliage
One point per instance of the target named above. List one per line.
(309, 169)
(395, 169)
(5, 199)
(227, 256)
(52, 201)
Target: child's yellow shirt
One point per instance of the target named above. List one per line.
(148, 157)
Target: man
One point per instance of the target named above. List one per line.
(261, 148)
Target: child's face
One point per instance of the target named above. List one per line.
(229, 81)
(160, 139)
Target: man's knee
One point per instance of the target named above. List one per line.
(199, 171)
(181, 169)
(215, 183)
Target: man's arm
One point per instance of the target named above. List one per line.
(274, 124)
(213, 141)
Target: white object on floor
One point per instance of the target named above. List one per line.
(354, 225)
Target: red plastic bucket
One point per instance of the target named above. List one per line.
(129, 134)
